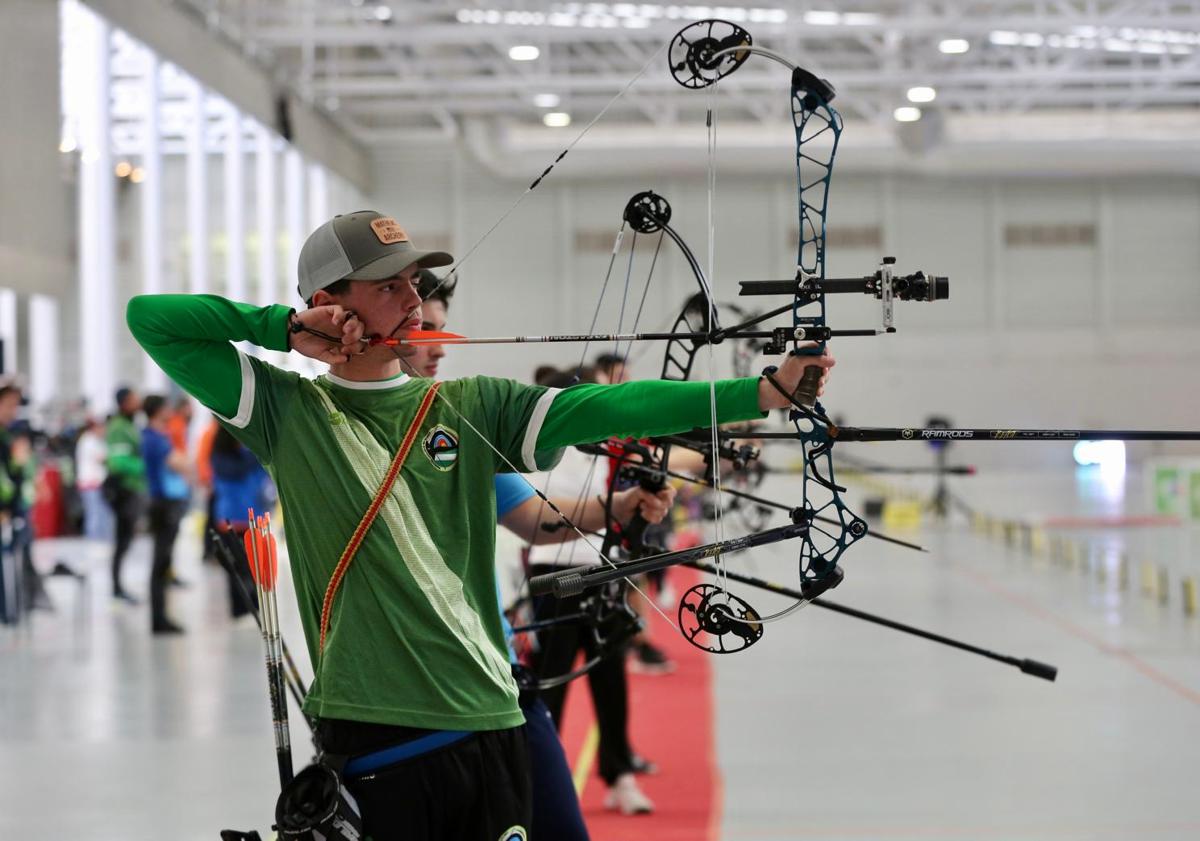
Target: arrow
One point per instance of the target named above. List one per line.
(440, 337)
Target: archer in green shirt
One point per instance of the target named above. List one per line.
(415, 641)
(125, 485)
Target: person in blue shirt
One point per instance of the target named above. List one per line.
(239, 483)
(166, 469)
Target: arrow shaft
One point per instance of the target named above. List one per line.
(848, 433)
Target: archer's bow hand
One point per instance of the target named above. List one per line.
(652, 506)
(788, 377)
(329, 334)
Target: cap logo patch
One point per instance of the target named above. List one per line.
(388, 230)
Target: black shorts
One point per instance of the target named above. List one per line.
(477, 789)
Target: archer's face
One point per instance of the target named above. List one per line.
(385, 306)
(10, 405)
(425, 358)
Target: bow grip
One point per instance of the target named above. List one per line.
(633, 532)
(806, 392)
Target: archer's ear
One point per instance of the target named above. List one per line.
(320, 298)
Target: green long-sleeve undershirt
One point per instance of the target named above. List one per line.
(190, 336)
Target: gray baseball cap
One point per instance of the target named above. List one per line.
(363, 245)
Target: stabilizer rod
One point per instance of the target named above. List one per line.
(1027, 666)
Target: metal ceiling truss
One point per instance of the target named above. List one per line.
(381, 68)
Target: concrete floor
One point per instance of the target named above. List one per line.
(828, 728)
(833, 728)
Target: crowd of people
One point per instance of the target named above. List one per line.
(137, 471)
(152, 473)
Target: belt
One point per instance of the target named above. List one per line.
(366, 764)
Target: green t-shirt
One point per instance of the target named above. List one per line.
(415, 636)
(124, 443)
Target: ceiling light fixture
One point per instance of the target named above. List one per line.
(1107, 39)
(907, 114)
(557, 119)
(524, 52)
(954, 46)
(922, 93)
(818, 17)
(635, 15)
(546, 100)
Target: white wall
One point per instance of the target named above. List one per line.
(1096, 335)
(36, 229)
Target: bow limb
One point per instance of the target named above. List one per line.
(702, 54)
(650, 213)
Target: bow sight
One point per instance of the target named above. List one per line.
(885, 285)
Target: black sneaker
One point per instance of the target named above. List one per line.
(648, 659)
(166, 627)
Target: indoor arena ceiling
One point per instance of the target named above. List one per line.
(385, 70)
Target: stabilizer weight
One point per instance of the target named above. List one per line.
(1042, 670)
(559, 584)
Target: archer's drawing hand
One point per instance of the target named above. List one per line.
(334, 321)
(789, 376)
(652, 506)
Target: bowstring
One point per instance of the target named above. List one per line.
(545, 500)
(718, 496)
(546, 172)
(585, 487)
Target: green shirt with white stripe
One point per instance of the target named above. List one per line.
(415, 637)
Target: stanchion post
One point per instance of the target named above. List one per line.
(1149, 582)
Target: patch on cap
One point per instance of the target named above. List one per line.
(388, 230)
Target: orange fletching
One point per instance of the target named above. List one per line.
(272, 562)
(248, 542)
(420, 337)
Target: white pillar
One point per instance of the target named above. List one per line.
(266, 206)
(8, 330)
(151, 190)
(297, 223)
(235, 208)
(318, 197)
(197, 191)
(43, 349)
(97, 209)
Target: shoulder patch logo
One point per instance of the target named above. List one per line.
(516, 833)
(441, 445)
